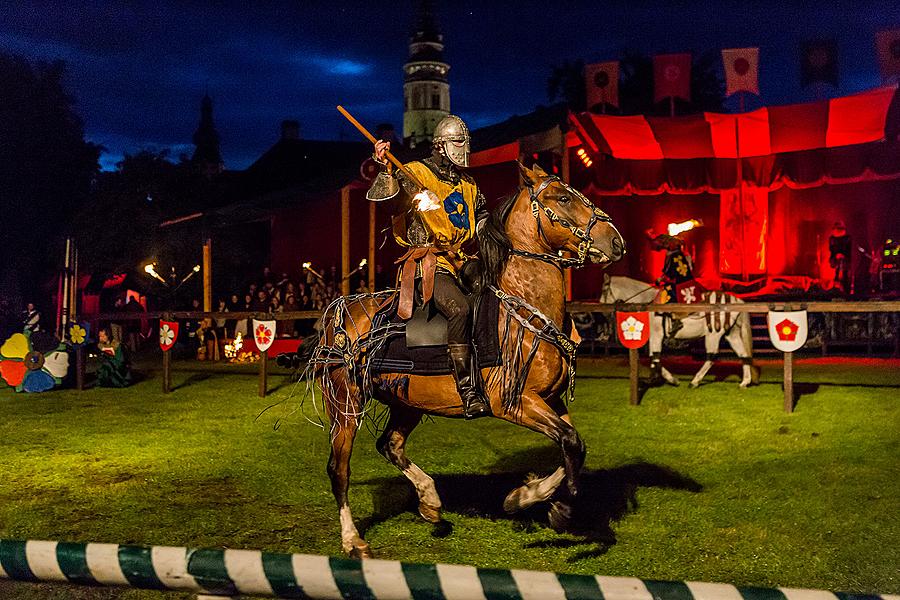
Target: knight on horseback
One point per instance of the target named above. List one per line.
(678, 270)
(434, 224)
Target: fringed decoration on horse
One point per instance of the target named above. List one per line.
(513, 372)
(338, 348)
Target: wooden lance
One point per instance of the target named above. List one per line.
(388, 154)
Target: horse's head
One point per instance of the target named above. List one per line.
(566, 224)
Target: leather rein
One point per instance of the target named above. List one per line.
(583, 234)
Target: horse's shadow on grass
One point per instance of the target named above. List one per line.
(605, 496)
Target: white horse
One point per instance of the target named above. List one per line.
(712, 326)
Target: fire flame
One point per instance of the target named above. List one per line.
(232, 349)
(676, 228)
(426, 201)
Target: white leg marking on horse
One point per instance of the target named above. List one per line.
(534, 585)
(714, 591)
(349, 533)
(671, 379)
(460, 582)
(701, 374)
(748, 377)
(385, 579)
(245, 568)
(314, 575)
(424, 485)
(536, 490)
(623, 587)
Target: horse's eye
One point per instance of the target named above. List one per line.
(564, 199)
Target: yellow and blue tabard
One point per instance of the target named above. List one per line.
(453, 223)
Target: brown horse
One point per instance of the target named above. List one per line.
(532, 236)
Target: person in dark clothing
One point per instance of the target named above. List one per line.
(839, 247)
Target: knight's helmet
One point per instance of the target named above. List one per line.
(451, 139)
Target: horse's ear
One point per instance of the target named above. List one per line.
(529, 176)
(539, 171)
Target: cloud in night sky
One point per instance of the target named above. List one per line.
(138, 70)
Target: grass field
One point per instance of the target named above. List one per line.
(714, 484)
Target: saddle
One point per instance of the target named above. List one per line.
(422, 347)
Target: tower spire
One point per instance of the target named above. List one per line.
(426, 90)
(207, 159)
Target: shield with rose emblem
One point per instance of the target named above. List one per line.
(263, 334)
(787, 330)
(168, 333)
(633, 328)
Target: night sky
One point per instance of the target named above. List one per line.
(138, 73)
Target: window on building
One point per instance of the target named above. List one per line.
(435, 100)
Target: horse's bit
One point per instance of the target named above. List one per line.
(587, 240)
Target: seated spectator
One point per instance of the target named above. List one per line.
(31, 318)
(114, 369)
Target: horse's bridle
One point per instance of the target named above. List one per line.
(584, 235)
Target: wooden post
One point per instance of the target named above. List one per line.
(263, 373)
(166, 383)
(79, 367)
(345, 240)
(371, 259)
(788, 382)
(633, 367)
(564, 173)
(207, 274)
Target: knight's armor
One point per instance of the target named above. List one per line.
(434, 224)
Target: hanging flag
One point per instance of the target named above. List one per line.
(787, 330)
(741, 70)
(819, 62)
(601, 82)
(672, 76)
(168, 333)
(633, 328)
(888, 45)
(263, 334)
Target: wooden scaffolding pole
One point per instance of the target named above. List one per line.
(345, 240)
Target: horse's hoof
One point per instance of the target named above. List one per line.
(432, 514)
(560, 516)
(745, 385)
(694, 386)
(361, 550)
(672, 382)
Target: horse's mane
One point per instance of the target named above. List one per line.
(494, 243)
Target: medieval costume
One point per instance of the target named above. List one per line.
(839, 248)
(677, 269)
(434, 223)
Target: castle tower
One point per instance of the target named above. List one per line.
(207, 159)
(426, 91)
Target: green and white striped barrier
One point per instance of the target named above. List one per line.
(217, 572)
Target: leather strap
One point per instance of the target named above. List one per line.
(428, 258)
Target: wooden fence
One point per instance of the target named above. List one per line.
(572, 307)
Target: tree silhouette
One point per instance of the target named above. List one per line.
(46, 171)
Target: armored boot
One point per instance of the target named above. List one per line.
(474, 403)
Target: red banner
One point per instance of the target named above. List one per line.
(601, 82)
(633, 329)
(672, 76)
(751, 226)
(741, 70)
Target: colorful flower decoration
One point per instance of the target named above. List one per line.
(263, 334)
(166, 335)
(77, 334)
(632, 328)
(33, 362)
(787, 330)
(457, 210)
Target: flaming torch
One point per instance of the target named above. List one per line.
(308, 266)
(676, 228)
